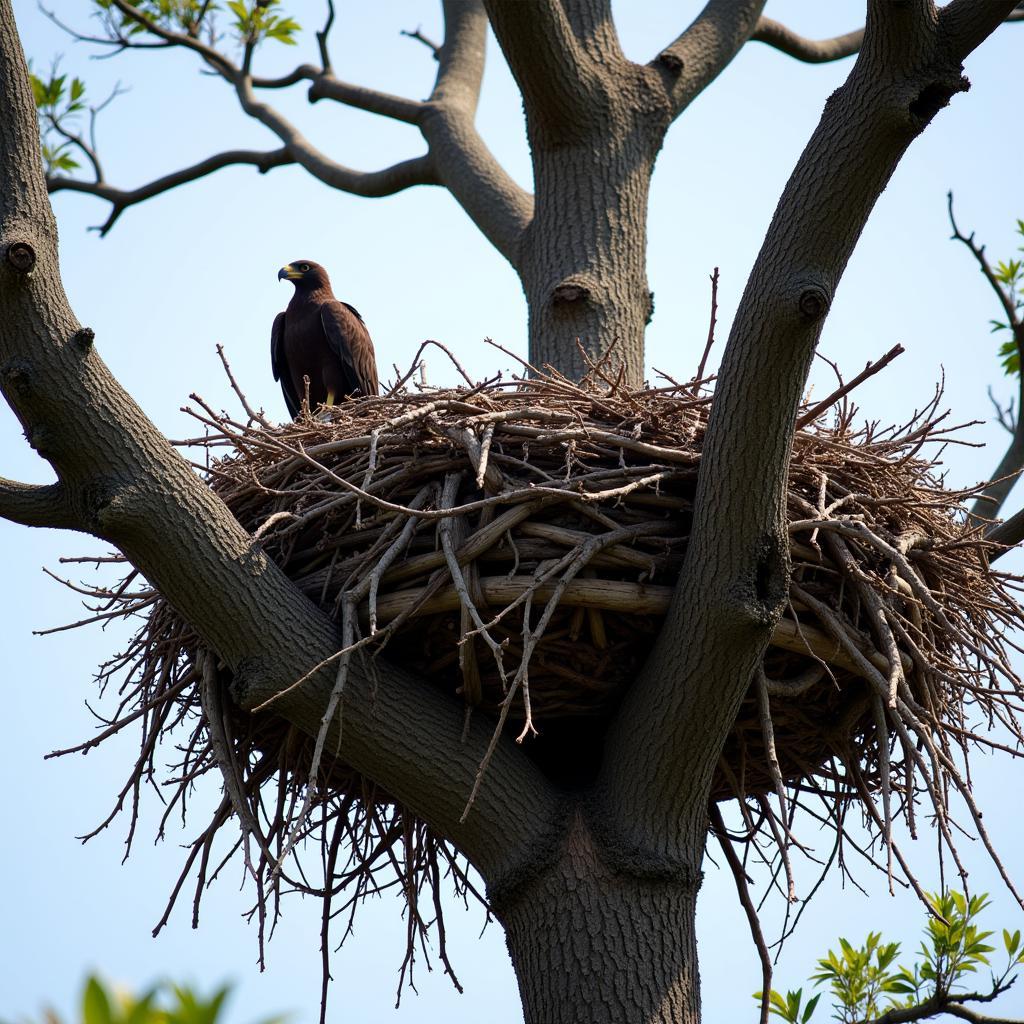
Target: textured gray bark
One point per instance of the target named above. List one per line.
(596, 889)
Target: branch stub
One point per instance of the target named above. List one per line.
(21, 256)
(83, 338)
(671, 62)
(813, 304)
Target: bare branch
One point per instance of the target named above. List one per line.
(978, 252)
(403, 175)
(121, 199)
(326, 87)
(321, 38)
(869, 371)
(36, 505)
(812, 51)
(690, 63)
(434, 48)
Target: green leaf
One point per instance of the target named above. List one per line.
(809, 1009)
(96, 1007)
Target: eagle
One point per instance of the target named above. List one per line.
(320, 338)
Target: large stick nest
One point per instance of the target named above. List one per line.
(517, 546)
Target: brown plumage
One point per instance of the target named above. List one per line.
(320, 338)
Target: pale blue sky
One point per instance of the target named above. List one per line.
(198, 267)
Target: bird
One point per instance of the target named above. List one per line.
(321, 338)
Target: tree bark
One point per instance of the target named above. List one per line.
(593, 945)
(583, 266)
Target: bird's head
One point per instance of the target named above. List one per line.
(305, 275)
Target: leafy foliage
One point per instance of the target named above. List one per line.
(58, 106)
(164, 1003)
(253, 21)
(866, 981)
(1010, 275)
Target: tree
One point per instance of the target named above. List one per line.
(254, 621)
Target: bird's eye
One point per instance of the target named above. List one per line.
(304, 267)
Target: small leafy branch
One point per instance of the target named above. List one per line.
(1010, 275)
(59, 104)
(869, 986)
(252, 21)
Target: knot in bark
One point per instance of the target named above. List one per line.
(41, 440)
(569, 291)
(21, 256)
(813, 303)
(671, 62)
(933, 97)
(83, 338)
(16, 375)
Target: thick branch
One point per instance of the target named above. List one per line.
(400, 176)
(132, 489)
(499, 207)
(702, 52)
(811, 51)
(562, 85)
(121, 199)
(965, 24)
(36, 505)
(734, 579)
(1009, 533)
(326, 87)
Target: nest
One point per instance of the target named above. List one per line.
(517, 544)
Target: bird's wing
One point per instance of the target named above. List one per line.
(349, 340)
(279, 364)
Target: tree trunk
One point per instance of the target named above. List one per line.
(583, 267)
(595, 945)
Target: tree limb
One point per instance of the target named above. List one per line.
(698, 56)
(326, 87)
(36, 505)
(1008, 533)
(811, 51)
(499, 207)
(121, 199)
(562, 85)
(135, 491)
(966, 24)
(991, 500)
(417, 171)
(734, 579)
